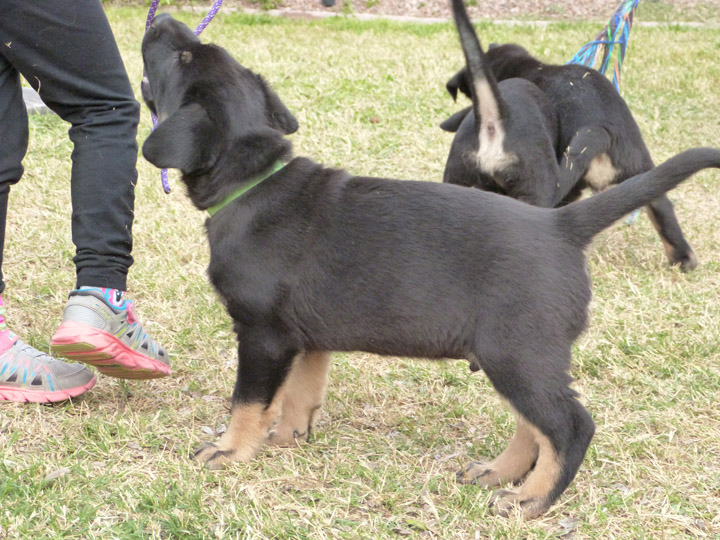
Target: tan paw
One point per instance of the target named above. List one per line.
(215, 457)
(294, 428)
(287, 436)
(507, 501)
(478, 472)
(211, 456)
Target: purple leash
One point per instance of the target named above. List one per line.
(209, 17)
(203, 24)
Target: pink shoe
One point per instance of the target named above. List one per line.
(28, 375)
(100, 328)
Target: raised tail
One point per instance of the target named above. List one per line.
(489, 108)
(584, 219)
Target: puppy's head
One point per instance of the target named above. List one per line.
(214, 114)
(504, 61)
(508, 60)
(167, 45)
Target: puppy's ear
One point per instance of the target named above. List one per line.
(459, 81)
(452, 124)
(452, 86)
(278, 115)
(187, 140)
(254, 150)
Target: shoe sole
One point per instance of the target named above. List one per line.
(24, 395)
(105, 352)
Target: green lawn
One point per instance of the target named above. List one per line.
(369, 97)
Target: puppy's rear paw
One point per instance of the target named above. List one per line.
(481, 473)
(688, 261)
(477, 472)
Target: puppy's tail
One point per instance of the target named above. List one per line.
(584, 219)
(490, 110)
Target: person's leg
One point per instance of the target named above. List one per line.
(26, 374)
(75, 66)
(14, 126)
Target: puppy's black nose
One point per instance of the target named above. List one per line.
(162, 17)
(158, 20)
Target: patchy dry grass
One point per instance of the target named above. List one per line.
(382, 464)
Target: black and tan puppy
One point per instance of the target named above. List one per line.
(599, 142)
(507, 142)
(309, 260)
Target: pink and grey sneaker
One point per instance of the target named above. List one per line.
(100, 328)
(28, 375)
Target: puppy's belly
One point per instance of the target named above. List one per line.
(600, 173)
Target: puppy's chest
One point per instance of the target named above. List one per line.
(248, 291)
(249, 268)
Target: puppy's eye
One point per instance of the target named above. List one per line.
(186, 57)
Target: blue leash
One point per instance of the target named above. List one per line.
(615, 33)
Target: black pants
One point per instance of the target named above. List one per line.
(66, 50)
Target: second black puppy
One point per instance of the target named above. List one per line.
(309, 260)
(507, 143)
(599, 142)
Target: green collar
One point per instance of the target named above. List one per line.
(245, 188)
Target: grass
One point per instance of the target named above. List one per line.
(669, 12)
(369, 96)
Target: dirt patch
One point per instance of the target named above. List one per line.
(498, 9)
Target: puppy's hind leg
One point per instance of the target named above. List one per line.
(537, 388)
(583, 157)
(678, 251)
(511, 465)
(302, 396)
(264, 361)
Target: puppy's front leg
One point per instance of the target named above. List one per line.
(263, 364)
(302, 396)
(242, 440)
